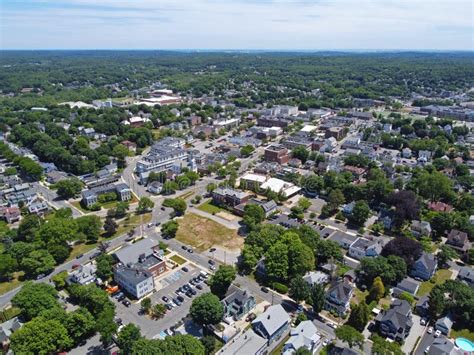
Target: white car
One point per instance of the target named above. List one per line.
(423, 321)
(427, 350)
(212, 267)
(437, 334)
(325, 342)
(430, 330)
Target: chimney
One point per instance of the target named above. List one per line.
(268, 317)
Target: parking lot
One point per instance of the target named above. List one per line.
(167, 286)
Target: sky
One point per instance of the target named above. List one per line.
(238, 24)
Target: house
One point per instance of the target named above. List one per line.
(83, 275)
(459, 241)
(38, 206)
(245, 343)
(237, 303)
(316, 278)
(338, 298)
(420, 228)
(130, 145)
(272, 324)
(155, 187)
(440, 207)
(10, 214)
(363, 247)
(396, 322)
(425, 267)
(54, 176)
(406, 285)
(134, 281)
(406, 153)
(6, 330)
(466, 274)
(444, 324)
(305, 335)
(443, 346)
(269, 206)
(422, 306)
(228, 196)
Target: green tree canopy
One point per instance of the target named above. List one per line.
(207, 309)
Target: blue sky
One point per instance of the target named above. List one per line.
(237, 24)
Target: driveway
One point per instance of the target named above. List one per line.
(416, 331)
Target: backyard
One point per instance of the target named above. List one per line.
(440, 277)
(210, 208)
(203, 233)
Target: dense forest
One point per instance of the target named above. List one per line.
(268, 77)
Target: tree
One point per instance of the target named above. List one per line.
(58, 230)
(381, 346)
(300, 258)
(377, 291)
(209, 343)
(120, 209)
(207, 309)
(360, 213)
(328, 249)
(127, 337)
(80, 324)
(303, 351)
(177, 204)
(211, 187)
(28, 227)
(359, 316)
(145, 204)
(59, 280)
(89, 226)
(222, 279)
(169, 229)
(407, 297)
(176, 344)
(110, 226)
(276, 262)
(313, 184)
(146, 305)
(8, 265)
(69, 188)
(317, 297)
(104, 263)
(299, 289)
(350, 335)
(40, 336)
(37, 262)
(158, 310)
(300, 153)
(300, 318)
(335, 199)
(304, 203)
(407, 206)
(34, 298)
(253, 215)
(391, 269)
(445, 254)
(406, 248)
(245, 151)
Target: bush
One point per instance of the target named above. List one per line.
(340, 216)
(280, 288)
(312, 215)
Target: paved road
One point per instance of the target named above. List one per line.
(52, 198)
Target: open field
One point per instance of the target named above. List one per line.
(202, 233)
(440, 277)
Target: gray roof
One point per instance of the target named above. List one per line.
(466, 273)
(273, 318)
(445, 322)
(303, 335)
(236, 295)
(316, 277)
(441, 346)
(428, 260)
(132, 275)
(408, 284)
(245, 343)
(131, 253)
(341, 291)
(398, 314)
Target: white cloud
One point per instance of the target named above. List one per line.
(252, 24)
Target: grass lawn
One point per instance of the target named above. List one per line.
(440, 277)
(11, 285)
(186, 195)
(462, 333)
(210, 208)
(8, 313)
(78, 205)
(80, 249)
(134, 221)
(178, 260)
(202, 233)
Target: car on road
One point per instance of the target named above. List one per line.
(264, 289)
(165, 299)
(185, 269)
(129, 238)
(332, 325)
(211, 262)
(430, 330)
(212, 250)
(163, 209)
(184, 247)
(40, 276)
(150, 225)
(79, 256)
(157, 224)
(126, 303)
(190, 250)
(437, 334)
(95, 255)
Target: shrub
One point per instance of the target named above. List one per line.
(280, 288)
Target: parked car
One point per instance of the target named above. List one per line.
(79, 256)
(168, 306)
(264, 289)
(180, 298)
(121, 298)
(437, 334)
(423, 321)
(211, 262)
(212, 267)
(163, 209)
(199, 287)
(185, 269)
(126, 303)
(95, 255)
(75, 266)
(189, 294)
(184, 247)
(150, 225)
(430, 330)
(165, 299)
(193, 291)
(212, 250)
(157, 224)
(177, 302)
(250, 317)
(118, 321)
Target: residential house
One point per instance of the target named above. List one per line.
(443, 346)
(422, 306)
(83, 275)
(406, 285)
(396, 322)
(248, 343)
(155, 187)
(466, 274)
(338, 298)
(54, 176)
(425, 267)
(316, 278)
(229, 197)
(444, 324)
(440, 207)
(420, 228)
(272, 324)
(305, 335)
(459, 241)
(237, 303)
(10, 214)
(6, 330)
(363, 247)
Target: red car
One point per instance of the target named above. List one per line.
(75, 266)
